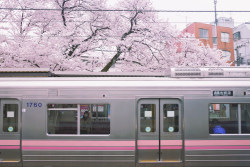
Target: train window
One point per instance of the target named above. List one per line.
(223, 119)
(170, 117)
(229, 118)
(95, 119)
(245, 118)
(78, 119)
(10, 118)
(148, 118)
(62, 121)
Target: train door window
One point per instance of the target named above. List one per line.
(10, 118)
(94, 119)
(170, 117)
(148, 118)
(62, 119)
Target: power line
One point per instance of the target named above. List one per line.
(109, 36)
(159, 22)
(126, 10)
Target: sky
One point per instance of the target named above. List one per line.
(180, 20)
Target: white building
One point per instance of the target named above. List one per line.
(242, 45)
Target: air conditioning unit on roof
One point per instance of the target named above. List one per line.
(211, 72)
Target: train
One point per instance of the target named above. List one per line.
(195, 117)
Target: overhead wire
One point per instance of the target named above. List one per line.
(114, 36)
(74, 21)
(123, 10)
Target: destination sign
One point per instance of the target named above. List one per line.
(222, 93)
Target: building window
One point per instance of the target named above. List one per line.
(248, 61)
(78, 119)
(224, 37)
(229, 118)
(237, 36)
(226, 55)
(215, 40)
(203, 33)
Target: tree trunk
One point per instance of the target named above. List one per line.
(112, 61)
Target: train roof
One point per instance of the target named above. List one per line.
(184, 72)
(119, 82)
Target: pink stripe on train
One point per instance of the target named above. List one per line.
(147, 148)
(171, 147)
(216, 142)
(162, 147)
(218, 148)
(148, 142)
(78, 143)
(10, 142)
(98, 145)
(78, 148)
(156, 142)
(171, 142)
(10, 147)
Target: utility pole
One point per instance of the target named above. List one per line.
(238, 58)
(216, 21)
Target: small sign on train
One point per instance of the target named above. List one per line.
(170, 114)
(223, 93)
(10, 114)
(148, 114)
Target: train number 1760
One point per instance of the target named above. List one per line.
(34, 104)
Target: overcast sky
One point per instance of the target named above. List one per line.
(182, 19)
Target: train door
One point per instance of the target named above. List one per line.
(10, 151)
(160, 139)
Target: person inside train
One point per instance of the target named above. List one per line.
(218, 129)
(86, 123)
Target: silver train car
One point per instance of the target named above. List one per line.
(194, 118)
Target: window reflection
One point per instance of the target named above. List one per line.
(95, 119)
(62, 121)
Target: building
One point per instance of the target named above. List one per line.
(219, 37)
(241, 44)
(225, 22)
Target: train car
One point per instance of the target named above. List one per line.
(195, 117)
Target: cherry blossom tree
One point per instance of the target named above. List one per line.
(143, 44)
(80, 35)
(193, 53)
(56, 38)
(140, 39)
